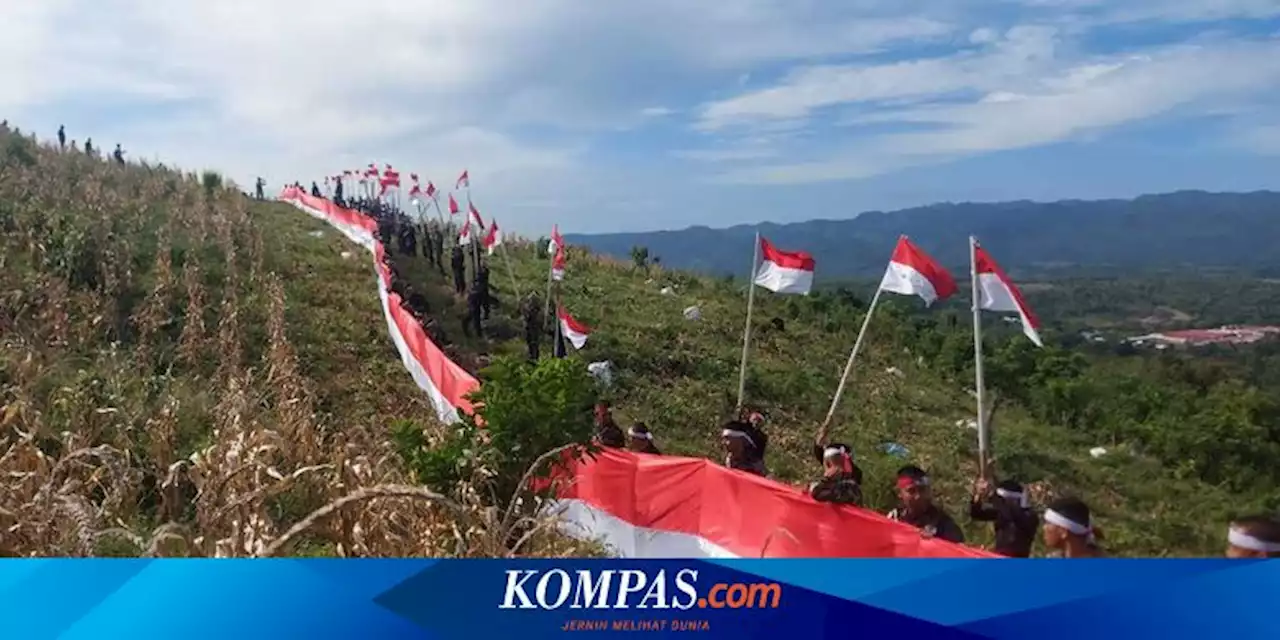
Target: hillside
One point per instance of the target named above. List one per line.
(1184, 230)
(289, 374)
(186, 372)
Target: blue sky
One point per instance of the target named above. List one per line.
(604, 115)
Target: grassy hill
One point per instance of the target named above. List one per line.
(1174, 231)
(153, 318)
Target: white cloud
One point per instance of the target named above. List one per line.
(656, 112)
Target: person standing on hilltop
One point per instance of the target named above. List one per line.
(118, 154)
(916, 507)
(1010, 511)
(1069, 530)
(88, 146)
(259, 187)
(1254, 537)
(315, 190)
(486, 291)
(474, 302)
(62, 137)
(459, 264)
(531, 313)
(337, 192)
(744, 445)
(437, 244)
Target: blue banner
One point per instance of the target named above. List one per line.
(527, 599)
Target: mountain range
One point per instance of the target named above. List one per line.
(1185, 230)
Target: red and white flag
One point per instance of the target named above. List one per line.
(372, 171)
(416, 191)
(784, 271)
(475, 215)
(463, 181)
(431, 189)
(573, 330)
(912, 272)
(556, 240)
(557, 265)
(996, 292)
(464, 236)
(453, 205)
(494, 237)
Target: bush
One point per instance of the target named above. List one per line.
(528, 409)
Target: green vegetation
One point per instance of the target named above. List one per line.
(185, 372)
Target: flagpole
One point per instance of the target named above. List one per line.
(510, 271)
(979, 382)
(853, 355)
(746, 332)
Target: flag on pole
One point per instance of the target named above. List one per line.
(784, 271)
(431, 189)
(453, 205)
(464, 236)
(475, 215)
(493, 238)
(996, 292)
(463, 181)
(573, 330)
(912, 272)
(557, 265)
(556, 240)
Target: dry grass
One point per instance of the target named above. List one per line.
(184, 374)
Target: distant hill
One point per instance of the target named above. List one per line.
(1187, 229)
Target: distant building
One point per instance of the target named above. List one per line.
(1229, 334)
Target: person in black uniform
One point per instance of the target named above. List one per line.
(428, 243)
(1010, 512)
(472, 324)
(459, 264)
(531, 312)
(62, 137)
(437, 243)
(118, 154)
(337, 194)
(486, 293)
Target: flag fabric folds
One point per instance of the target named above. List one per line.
(493, 238)
(912, 272)
(996, 292)
(557, 265)
(573, 330)
(556, 240)
(784, 271)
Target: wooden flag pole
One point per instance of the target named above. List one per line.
(746, 332)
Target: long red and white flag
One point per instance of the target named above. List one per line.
(464, 181)
(493, 238)
(453, 206)
(996, 292)
(912, 272)
(557, 265)
(784, 271)
(573, 330)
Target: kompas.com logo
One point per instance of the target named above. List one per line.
(631, 589)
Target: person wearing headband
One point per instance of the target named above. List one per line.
(640, 440)
(1254, 537)
(916, 507)
(1009, 509)
(744, 446)
(1069, 530)
(841, 481)
(608, 433)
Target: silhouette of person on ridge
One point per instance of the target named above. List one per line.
(62, 137)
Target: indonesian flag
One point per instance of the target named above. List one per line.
(556, 240)
(475, 215)
(493, 238)
(912, 272)
(785, 271)
(416, 191)
(464, 236)
(431, 189)
(557, 265)
(453, 205)
(463, 181)
(390, 180)
(572, 329)
(996, 292)
(372, 171)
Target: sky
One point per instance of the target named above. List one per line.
(604, 115)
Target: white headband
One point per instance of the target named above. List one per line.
(636, 434)
(832, 452)
(1238, 538)
(1055, 518)
(1020, 496)
(734, 433)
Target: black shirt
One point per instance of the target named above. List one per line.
(933, 520)
(1015, 527)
